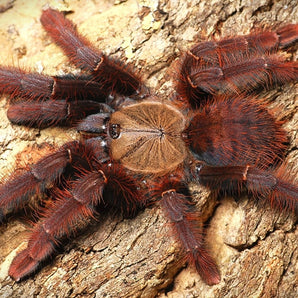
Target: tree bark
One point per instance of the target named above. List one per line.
(255, 248)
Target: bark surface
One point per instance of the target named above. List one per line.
(254, 247)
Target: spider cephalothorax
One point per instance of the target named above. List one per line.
(212, 132)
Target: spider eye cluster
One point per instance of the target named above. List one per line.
(114, 131)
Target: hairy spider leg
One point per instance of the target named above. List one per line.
(239, 143)
(189, 230)
(233, 66)
(276, 187)
(173, 195)
(74, 198)
(49, 100)
(49, 170)
(32, 86)
(112, 74)
(64, 100)
(70, 209)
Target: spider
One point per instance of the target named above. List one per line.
(137, 148)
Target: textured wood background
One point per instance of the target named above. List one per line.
(255, 248)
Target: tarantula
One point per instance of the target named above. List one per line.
(136, 148)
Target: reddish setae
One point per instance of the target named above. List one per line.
(137, 148)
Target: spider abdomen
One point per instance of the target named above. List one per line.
(146, 137)
(234, 131)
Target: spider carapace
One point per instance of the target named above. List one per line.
(137, 148)
(149, 138)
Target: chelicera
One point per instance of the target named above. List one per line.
(137, 148)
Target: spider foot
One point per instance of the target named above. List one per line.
(22, 265)
(205, 265)
(189, 230)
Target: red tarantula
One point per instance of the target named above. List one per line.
(136, 148)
